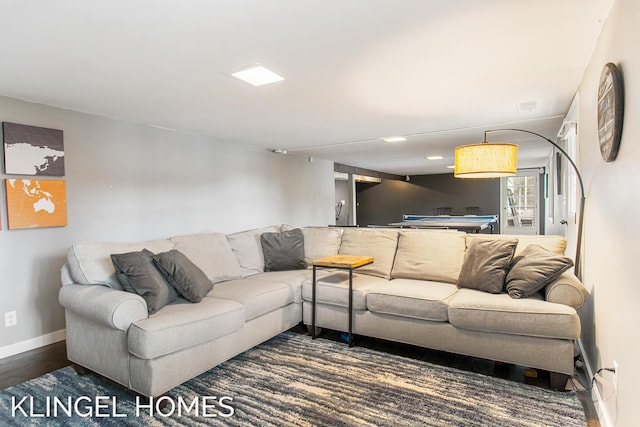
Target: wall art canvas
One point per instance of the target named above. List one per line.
(36, 203)
(32, 150)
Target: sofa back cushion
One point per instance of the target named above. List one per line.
(435, 255)
(90, 263)
(377, 243)
(247, 248)
(212, 253)
(555, 244)
(320, 242)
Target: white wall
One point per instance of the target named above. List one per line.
(129, 182)
(612, 232)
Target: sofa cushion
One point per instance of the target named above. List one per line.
(258, 296)
(418, 299)
(212, 253)
(90, 263)
(486, 263)
(333, 289)
(283, 251)
(429, 255)
(372, 242)
(320, 242)
(183, 275)
(566, 289)
(138, 275)
(555, 244)
(479, 311)
(533, 269)
(182, 325)
(248, 250)
(291, 277)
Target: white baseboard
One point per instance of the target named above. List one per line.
(596, 397)
(33, 343)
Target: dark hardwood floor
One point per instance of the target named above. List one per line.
(31, 364)
(23, 367)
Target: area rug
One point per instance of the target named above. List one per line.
(292, 380)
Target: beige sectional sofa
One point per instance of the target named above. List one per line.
(408, 294)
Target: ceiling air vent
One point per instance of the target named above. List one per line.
(527, 106)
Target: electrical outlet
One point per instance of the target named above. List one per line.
(10, 319)
(615, 375)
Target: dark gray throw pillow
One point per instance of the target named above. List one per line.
(533, 269)
(181, 273)
(283, 251)
(486, 263)
(137, 274)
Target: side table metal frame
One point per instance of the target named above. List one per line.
(313, 296)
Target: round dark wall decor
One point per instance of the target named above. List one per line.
(610, 111)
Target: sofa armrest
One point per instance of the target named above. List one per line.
(117, 309)
(566, 289)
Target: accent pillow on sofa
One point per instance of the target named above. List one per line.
(486, 263)
(184, 275)
(137, 274)
(283, 251)
(533, 269)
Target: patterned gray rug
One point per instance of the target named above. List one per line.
(294, 381)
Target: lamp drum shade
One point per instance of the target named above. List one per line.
(486, 160)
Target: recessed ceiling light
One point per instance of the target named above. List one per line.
(257, 76)
(451, 167)
(434, 157)
(394, 139)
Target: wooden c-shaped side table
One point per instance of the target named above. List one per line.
(344, 262)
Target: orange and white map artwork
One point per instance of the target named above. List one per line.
(36, 203)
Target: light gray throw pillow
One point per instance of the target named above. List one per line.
(533, 269)
(486, 263)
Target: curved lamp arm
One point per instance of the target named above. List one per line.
(582, 193)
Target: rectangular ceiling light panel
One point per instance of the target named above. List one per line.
(394, 139)
(257, 76)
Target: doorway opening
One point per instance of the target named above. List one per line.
(520, 199)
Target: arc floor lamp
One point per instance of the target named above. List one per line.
(495, 159)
